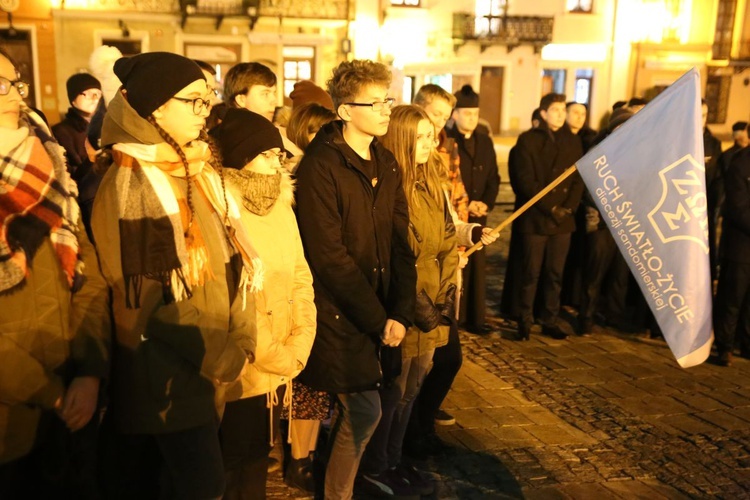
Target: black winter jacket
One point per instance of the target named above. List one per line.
(736, 236)
(538, 158)
(355, 239)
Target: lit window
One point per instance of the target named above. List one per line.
(298, 65)
(489, 13)
(406, 3)
(579, 6)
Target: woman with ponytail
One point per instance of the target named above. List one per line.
(432, 237)
(182, 273)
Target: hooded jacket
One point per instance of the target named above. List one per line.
(169, 358)
(432, 237)
(285, 309)
(355, 239)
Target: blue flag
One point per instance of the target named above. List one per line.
(648, 181)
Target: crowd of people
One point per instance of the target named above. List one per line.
(184, 279)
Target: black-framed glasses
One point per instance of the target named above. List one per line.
(199, 104)
(21, 87)
(376, 106)
(270, 155)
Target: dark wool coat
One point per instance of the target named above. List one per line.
(538, 158)
(478, 171)
(355, 239)
(71, 133)
(736, 237)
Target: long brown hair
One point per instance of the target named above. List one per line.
(305, 120)
(401, 139)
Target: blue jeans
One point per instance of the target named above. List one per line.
(355, 418)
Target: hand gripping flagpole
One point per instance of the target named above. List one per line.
(515, 215)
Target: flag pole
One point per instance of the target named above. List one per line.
(552, 185)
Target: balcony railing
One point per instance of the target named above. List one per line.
(503, 30)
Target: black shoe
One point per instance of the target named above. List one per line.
(299, 474)
(725, 359)
(554, 332)
(524, 332)
(416, 479)
(585, 327)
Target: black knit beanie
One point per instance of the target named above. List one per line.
(153, 78)
(79, 83)
(243, 135)
(467, 98)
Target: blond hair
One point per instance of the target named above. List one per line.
(429, 92)
(350, 77)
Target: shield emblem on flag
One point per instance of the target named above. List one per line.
(682, 204)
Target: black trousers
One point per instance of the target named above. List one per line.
(246, 441)
(603, 260)
(543, 259)
(473, 300)
(446, 363)
(732, 307)
(63, 465)
(178, 465)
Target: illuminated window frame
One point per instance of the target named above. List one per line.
(580, 6)
(406, 3)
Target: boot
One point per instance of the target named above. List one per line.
(299, 474)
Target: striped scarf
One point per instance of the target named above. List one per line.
(158, 239)
(37, 200)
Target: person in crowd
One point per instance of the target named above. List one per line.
(571, 292)
(741, 141)
(84, 95)
(54, 326)
(182, 272)
(432, 237)
(305, 91)
(305, 122)
(478, 165)
(209, 72)
(285, 312)
(731, 313)
(602, 258)
(421, 436)
(353, 218)
(577, 117)
(253, 86)
(509, 301)
(309, 407)
(712, 152)
(634, 105)
(539, 157)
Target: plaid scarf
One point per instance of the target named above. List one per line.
(153, 217)
(37, 200)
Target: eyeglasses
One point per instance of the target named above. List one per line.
(270, 155)
(199, 104)
(92, 95)
(377, 106)
(21, 87)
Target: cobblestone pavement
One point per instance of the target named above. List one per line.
(606, 416)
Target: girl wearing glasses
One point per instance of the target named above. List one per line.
(182, 272)
(84, 94)
(252, 151)
(432, 237)
(54, 323)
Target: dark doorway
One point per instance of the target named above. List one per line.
(491, 96)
